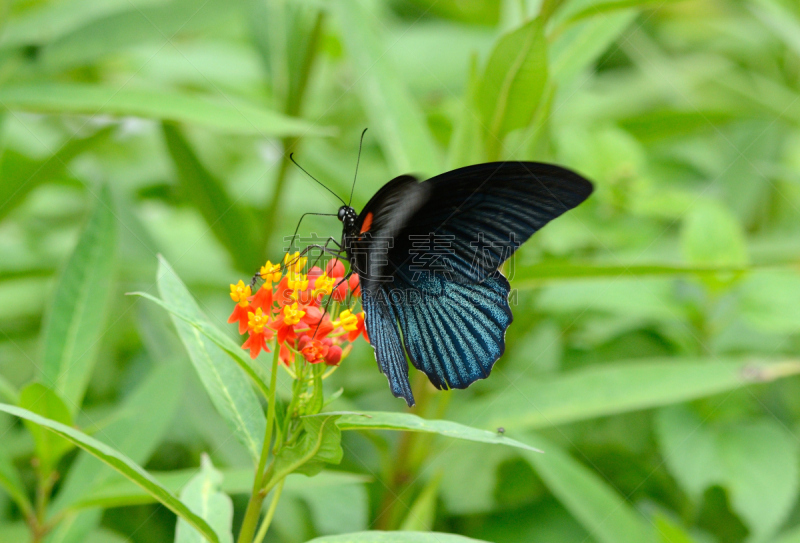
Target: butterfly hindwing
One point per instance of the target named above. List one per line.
(453, 331)
(382, 329)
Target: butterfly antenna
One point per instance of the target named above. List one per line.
(291, 157)
(358, 160)
(303, 216)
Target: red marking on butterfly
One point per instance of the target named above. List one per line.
(367, 224)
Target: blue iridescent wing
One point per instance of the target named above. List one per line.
(452, 331)
(385, 339)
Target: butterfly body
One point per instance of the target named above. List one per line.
(427, 255)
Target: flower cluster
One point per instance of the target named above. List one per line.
(290, 307)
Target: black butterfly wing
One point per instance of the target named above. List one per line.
(452, 309)
(368, 247)
(378, 225)
(479, 215)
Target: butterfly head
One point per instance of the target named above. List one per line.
(348, 217)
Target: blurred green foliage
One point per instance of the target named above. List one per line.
(657, 327)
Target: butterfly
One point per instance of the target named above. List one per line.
(428, 256)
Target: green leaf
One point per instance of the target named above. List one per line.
(381, 420)
(203, 496)
(581, 44)
(391, 110)
(601, 510)
(21, 174)
(122, 492)
(39, 399)
(10, 481)
(119, 462)
(231, 224)
(135, 427)
(525, 277)
(754, 461)
(232, 116)
(712, 236)
(618, 388)
(227, 386)
(254, 371)
(513, 83)
(594, 8)
(320, 444)
(395, 537)
(77, 319)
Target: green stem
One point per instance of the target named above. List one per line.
(262, 531)
(257, 498)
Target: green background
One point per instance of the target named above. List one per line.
(656, 328)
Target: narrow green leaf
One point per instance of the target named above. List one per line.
(122, 492)
(380, 420)
(203, 496)
(77, 318)
(602, 7)
(83, 99)
(319, 445)
(135, 428)
(39, 399)
(227, 386)
(233, 226)
(254, 371)
(21, 174)
(534, 276)
(618, 388)
(397, 119)
(121, 463)
(602, 511)
(395, 537)
(10, 481)
(513, 82)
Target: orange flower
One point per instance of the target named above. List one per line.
(270, 273)
(286, 308)
(313, 350)
(256, 342)
(240, 294)
(353, 325)
(259, 334)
